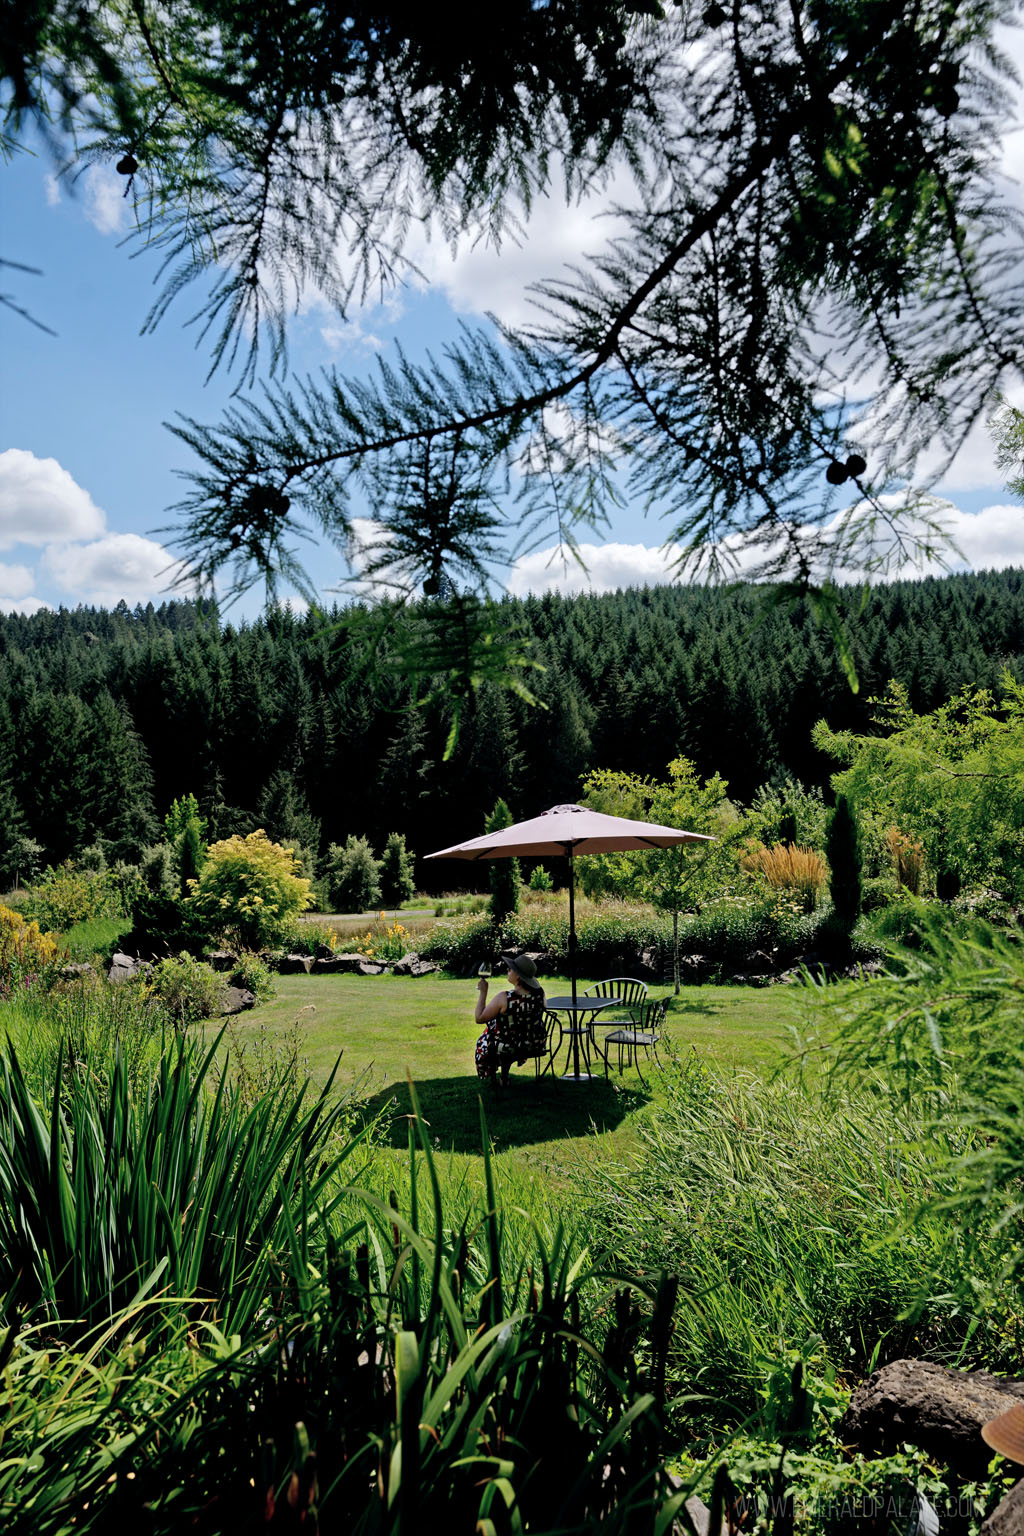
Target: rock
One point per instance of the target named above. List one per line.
(345, 964)
(122, 967)
(412, 965)
(1007, 1519)
(295, 965)
(370, 967)
(323, 952)
(236, 1000)
(941, 1411)
(75, 970)
(222, 960)
(335, 966)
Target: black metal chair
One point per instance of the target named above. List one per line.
(641, 1034)
(628, 991)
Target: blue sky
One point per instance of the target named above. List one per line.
(87, 467)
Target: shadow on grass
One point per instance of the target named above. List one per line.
(526, 1111)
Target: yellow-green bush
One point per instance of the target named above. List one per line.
(25, 949)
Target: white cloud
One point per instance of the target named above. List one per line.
(479, 279)
(25, 605)
(120, 566)
(608, 567)
(992, 539)
(40, 503)
(106, 206)
(15, 580)
(52, 188)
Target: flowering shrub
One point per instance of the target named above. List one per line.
(25, 949)
(383, 941)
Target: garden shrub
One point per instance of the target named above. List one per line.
(25, 950)
(250, 890)
(396, 872)
(352, 875)
(68, 894)
(725, 933)
(540, 880)
(254, 974)
(162, 924)
(189, 989)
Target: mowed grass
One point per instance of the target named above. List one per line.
(389, 1029)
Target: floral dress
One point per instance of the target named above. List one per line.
(512, 1035)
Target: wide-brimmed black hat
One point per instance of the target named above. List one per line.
(525, 969)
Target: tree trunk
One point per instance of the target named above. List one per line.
(675, 950)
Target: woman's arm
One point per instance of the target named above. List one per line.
(485, 1011)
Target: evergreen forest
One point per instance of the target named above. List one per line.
(107, 716)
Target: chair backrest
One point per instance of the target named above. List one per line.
(526, 1028)
(651, 1016)
(627, 989)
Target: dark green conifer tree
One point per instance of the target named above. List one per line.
(396, 871)
(504, 873)
(845, 862)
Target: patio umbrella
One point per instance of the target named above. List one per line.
(566, 831)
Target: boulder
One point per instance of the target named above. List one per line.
(412, 965)
(370, 967)
(939, 1410)
(295, 965)
(335, 966)
(75, 970)
(124, 966)
(1007, 1519)
(349, 964)
(222, 960)
(323, 952)
(236, 1000)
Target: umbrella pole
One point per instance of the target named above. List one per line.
(572, 964)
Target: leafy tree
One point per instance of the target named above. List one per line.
(845, 862)
(503, 874)
(787, 812)
(803, 170)
(1008, 429)
(951, 778)
(396, 871)
(352, 875)
(673, 879)
(249, 889)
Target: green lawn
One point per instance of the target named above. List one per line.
(389, 1028)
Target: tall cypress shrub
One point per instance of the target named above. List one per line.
(504, 873)
(845, 861)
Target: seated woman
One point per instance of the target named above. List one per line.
(514, 1020)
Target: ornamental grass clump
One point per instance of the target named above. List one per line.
(789, 868)
(411, 1367)
(109, 1190)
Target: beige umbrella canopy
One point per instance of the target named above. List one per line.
(567, 831)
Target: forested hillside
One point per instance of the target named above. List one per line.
(105, 717)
